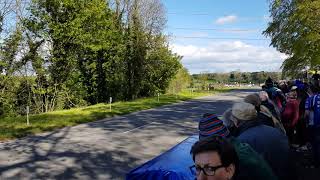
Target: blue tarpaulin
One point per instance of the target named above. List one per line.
(171, 165)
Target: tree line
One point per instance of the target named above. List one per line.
(204, 79)
(68, 53)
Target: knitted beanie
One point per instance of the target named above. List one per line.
(210, 124)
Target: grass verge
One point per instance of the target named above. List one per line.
(16, 127)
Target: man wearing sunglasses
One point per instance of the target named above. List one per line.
(215, 159)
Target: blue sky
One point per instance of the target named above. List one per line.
(228, 35)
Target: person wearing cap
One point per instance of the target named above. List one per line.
(251, 165)
(265, 118)
(290, 115)
(264, 115)
(269, 142)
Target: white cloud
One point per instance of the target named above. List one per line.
(226, 19)
(226, 56)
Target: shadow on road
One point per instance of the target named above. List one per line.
(107, 149)
(49, 157)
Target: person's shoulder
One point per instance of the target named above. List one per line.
(242, 148)
(309, 98)
(265, 130)
(277, 89)
(251, 133)
(262, 126)
(252, 162)
(265, 115)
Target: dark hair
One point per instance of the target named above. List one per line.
(314, 89)
(263, 87)
(269, 82)
(222, 146)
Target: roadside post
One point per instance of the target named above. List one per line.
(110, 102)
(28, 110)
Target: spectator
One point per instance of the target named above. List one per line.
(226, 117)
(264, 117)
(290, 115)
(301, 127)
(275, 94)
(267, 107)
(267, 141)
(214, 158)
(312, 113)
(265, 101)
(251, 165)
(283, 87)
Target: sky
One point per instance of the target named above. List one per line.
(221, 35)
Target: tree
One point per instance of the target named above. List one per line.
(295, 31)
(254, 78)
(203, 78)
(83, 42)
(181, 81)
(222, 77)
(244, 77)
(149, 63)
(162, 66)
(8, 65)
(67, 53)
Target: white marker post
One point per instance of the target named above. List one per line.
(158, 97)
(110, 102)
(28, 115)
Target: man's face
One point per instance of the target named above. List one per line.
(210, 161)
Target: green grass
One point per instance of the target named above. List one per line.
(16, 127)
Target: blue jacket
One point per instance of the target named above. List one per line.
(270, 143)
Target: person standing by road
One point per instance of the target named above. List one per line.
(312, 113)
(269, 142)
(290, 115)
(251, 165)
(214, 158)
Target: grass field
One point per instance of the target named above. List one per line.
(16, 127)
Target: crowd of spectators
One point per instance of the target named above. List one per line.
(255, 139)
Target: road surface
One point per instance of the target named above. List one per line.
(109, 148)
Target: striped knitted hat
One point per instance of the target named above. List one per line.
(210, 124)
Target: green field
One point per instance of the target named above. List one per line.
(16, 127)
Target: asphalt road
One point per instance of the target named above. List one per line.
(109, 148)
